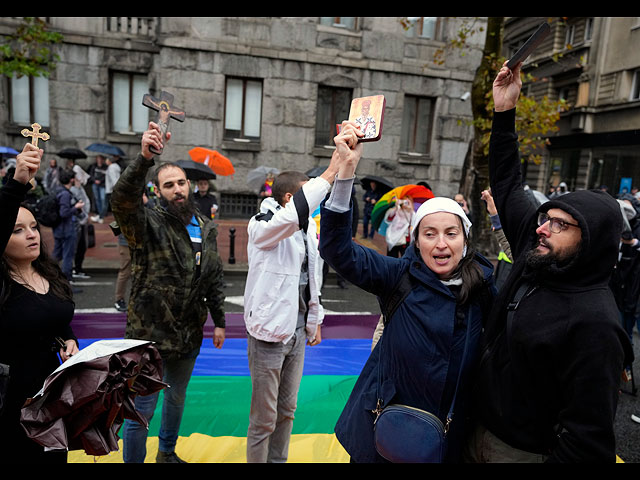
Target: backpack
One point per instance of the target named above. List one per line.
(47, 210)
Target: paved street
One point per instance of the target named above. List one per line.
(627, 431)
(97, 294)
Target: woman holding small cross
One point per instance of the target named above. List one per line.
(36, 308)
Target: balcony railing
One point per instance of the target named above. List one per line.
(142, 26)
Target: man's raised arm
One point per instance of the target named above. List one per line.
(515, 209)
(126, 199)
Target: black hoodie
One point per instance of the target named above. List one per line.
(550, 383)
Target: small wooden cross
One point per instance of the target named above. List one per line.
(166, 110)
(35, 134)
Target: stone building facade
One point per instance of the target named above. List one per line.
(594, 64)
(261, 91)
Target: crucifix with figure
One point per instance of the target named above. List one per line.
(166, 110)
(35, 134)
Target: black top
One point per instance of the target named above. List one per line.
(29, 322)
(205, 202)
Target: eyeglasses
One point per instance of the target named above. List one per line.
(556, 225)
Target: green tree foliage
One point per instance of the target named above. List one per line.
(30, 50)
(536, 118)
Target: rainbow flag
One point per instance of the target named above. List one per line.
(216, 416)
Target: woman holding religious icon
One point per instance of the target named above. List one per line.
(421, 354)
(36, 308)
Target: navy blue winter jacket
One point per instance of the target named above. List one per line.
(422, 345)
(68, 212)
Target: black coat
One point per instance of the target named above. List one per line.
(625, 282)
(549, 385)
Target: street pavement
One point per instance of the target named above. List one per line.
(103, 261)
(96, 294)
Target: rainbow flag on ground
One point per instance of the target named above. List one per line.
(216, 417)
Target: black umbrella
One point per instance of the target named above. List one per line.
(73, 153)
(315, 171)
(106, 149)
(196, 170)
(383, 187)
(83, 404)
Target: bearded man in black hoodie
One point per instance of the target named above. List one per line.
(553, 350)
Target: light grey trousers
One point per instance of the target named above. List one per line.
(276, 372)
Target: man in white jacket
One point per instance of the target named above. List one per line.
(282, 309)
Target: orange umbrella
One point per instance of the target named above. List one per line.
(217, 162)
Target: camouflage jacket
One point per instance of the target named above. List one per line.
(168, 303)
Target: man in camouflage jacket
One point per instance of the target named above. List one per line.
(173, 285)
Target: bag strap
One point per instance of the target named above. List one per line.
(464, 356)
(390, 303)
(524, 290)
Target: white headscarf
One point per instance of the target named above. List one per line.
(441, 204)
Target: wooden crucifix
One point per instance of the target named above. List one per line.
(166, 110)
(35, 134)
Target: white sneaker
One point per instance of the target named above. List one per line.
(95, 218)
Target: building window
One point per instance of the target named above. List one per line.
(564, 93)
(348, 23)
(569, 35)
(239, 205)
(29, 100)
(128, 115)
(588, 29)
(243, 109)
(333, 108)
(635, 86)
(422, 27)
(417, 124)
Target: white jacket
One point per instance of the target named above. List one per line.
(275, 253)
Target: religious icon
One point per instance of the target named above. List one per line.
(166, 110)
(368, 113)
(530, 45)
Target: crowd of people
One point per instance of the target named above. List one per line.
(527, 370)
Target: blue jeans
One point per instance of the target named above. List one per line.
(176, 373)
(365, 227)
(64, 248)
(100, 198)
(629, 320)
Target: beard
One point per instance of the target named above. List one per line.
(551, 261)
(183, 210)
